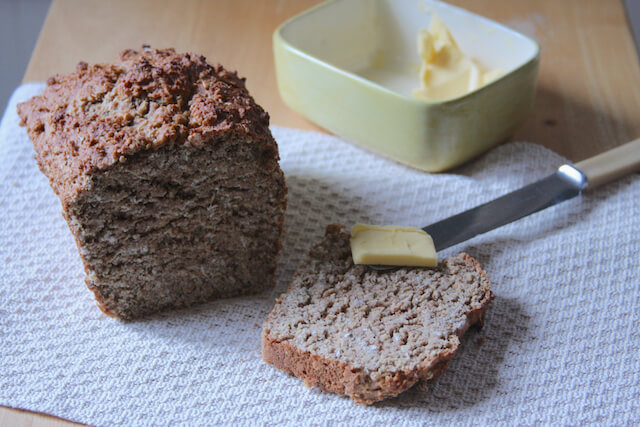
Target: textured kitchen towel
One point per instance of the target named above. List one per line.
(560, 343)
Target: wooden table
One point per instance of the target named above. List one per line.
(588, 97)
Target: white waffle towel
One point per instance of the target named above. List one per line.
(560, 343)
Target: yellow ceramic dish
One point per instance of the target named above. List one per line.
(350, 66)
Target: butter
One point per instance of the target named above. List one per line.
(446, 72)
(392, 245)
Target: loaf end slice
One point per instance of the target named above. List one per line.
(368, 335)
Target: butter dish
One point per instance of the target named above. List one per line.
(350, 66)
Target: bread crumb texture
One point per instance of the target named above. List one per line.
(168, 177)
(370, 335)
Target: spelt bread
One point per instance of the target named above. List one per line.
(168, 177)
(370, 335)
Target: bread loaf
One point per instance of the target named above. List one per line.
(168, 178)
(369, 335)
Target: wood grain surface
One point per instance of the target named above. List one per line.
(588, 97)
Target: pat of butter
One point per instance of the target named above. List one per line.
(446, 72)
(392, 245)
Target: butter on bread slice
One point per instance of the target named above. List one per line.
(392, 245)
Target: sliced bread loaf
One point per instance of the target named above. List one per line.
(369, 335)
(168, 177)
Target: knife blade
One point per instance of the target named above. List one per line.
(567, 182)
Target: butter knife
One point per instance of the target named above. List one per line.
(566, 183)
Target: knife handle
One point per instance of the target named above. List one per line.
(611, 165)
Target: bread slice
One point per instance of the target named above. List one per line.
(168, 178)
(368, 335)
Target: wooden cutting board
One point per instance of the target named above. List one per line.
(588, 97)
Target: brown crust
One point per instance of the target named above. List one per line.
(103, 114)
(337, 377)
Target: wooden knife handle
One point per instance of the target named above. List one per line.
(611, 165)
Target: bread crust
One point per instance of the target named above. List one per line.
(337, 377)
(100, 115)
(334, 376)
